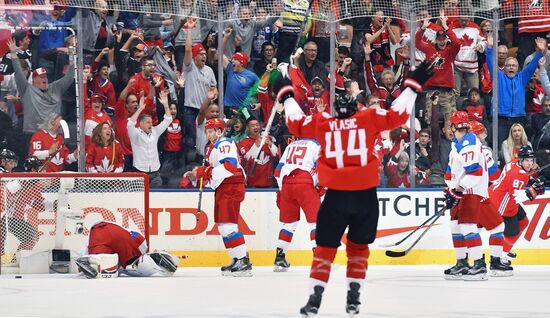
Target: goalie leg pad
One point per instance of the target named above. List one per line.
(146, 265)
(99, 265)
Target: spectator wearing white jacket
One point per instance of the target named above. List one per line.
(144, 139)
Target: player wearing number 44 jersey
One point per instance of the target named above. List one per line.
(296, 176)
(349, 169)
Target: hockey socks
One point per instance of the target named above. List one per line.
(496, 240)
(458, 241)
(320, 267)
(358, 255)
(313, 227)
(472, 240)
(286, 234)
(233, 240)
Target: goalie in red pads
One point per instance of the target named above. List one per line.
(114, 250)
(349, 169)
(225, 174)
(296, 176)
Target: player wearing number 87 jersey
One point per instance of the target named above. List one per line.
(296, 175)
(349, 169)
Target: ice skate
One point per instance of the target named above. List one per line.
(458, 271)
(476, 272)
(500, 269)
(281, 264)
(241, 268)
(352, 305)
(228, 267)
(512, 254)
(312, 307)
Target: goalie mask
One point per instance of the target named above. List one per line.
(345, 106)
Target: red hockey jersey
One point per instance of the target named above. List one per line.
(263, 175)
(174, 137)
(111, 237)
(39, 146)
(105, 159)
(347, 160)
(503, 191)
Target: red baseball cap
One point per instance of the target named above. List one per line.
(39, 72)
(242, 58)
(197, 49)
(98, 96)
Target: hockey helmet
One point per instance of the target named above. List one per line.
(32, 164)
(345, 105)
(526, 152)
(476, 127)
(214, 123)
(8, 155)
(460, 120)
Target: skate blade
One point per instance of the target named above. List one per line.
(280, 269)
(247, 273)
(495, 273)
(477, 277)
(352, 312)
(454, 277)
(308, 315)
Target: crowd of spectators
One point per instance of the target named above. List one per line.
(151, 82)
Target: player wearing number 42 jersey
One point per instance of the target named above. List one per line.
(296, 176)
(349, 169)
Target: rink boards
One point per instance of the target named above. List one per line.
(175, 225)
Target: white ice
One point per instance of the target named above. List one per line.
(391, 291)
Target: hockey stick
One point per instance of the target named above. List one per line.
(410, 234)
(303, 26)
(539, 169)
(66, 135)
(265, 136)
(200, 196)
(405, 252)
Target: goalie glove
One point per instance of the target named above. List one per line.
(418, 77)
(204, 172)
(535, 188)
(452, 198)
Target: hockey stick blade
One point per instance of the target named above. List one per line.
(395, 253)
(405, 252)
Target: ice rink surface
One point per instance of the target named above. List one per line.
(391, 291)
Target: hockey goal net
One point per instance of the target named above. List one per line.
(45, 213)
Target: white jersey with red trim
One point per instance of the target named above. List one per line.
(468, 166)
(466, 59)
(301, 154)
(224, 159)
(492, 166)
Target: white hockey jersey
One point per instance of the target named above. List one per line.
(468, 166)
(466, 59)
(301, 154)
(224, 159)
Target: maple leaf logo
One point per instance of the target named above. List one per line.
(426, 39)
(105, 167)
(466, 40)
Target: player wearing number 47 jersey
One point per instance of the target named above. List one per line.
(296, 176)
(349, 169)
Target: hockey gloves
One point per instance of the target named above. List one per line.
(204, 172)
(536, 188)
(418, 77)
(284, 89)
(452, 198)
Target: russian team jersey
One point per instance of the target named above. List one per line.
(504, 191)
(301, 154)
(492, 167)
(468, 166)
(347, 160)
(224, 159)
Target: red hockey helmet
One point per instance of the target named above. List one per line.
(215, 123)
(460, 120)
(476, 127)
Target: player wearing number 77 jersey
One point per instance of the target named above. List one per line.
(349, 169)
(296, 175)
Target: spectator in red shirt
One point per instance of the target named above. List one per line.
(444, 55)
(94, 116)
(100, 82)
(172, 149)
(248, 151)
(473, 106)
(104, 153)
(379, 37)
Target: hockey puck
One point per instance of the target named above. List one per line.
(18, 276)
